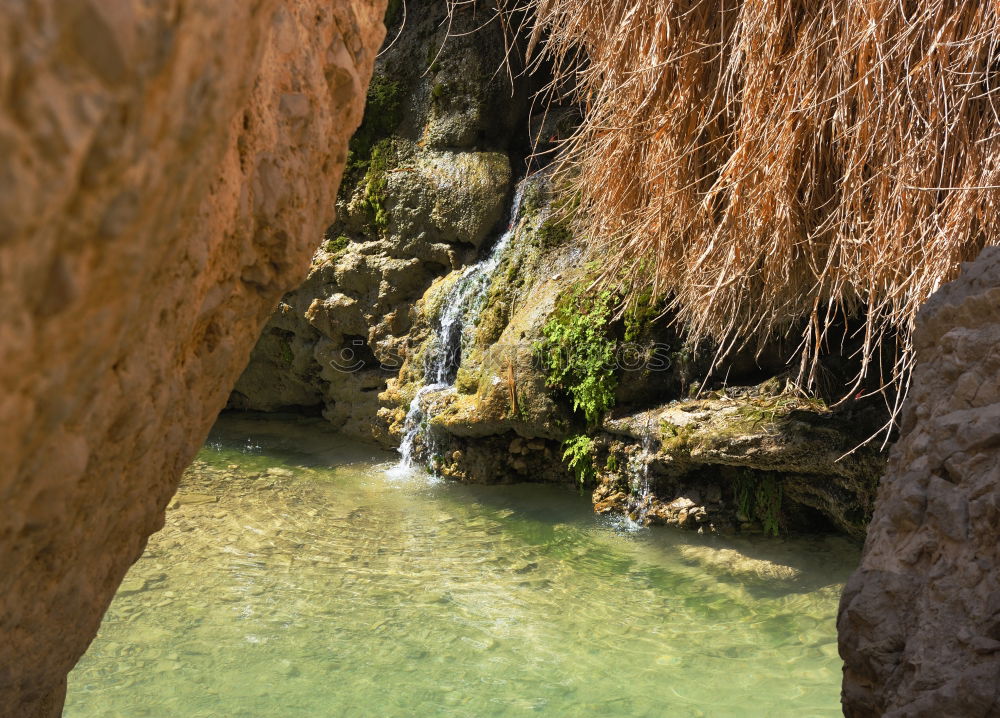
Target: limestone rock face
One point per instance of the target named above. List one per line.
(429, 180)
(166, 170)
(919, 621)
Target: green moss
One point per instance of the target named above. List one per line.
(492, 321)
(383, 113)
(376, 181)
(433, 52)
(336, 246)
(437, 91)
(557, 227)
(673, 438)
(578, 455)
(639, 315)
(768, 410)
(553, 233)
(286, 351)
(466, 382)
(578, 352)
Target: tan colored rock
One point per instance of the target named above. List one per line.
(919, 620)
(166, 170)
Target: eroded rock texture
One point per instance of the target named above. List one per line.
(428, 182)
(166, 170)
(920, 620)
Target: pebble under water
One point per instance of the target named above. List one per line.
(311, 581)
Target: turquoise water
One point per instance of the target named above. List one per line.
(296, 577)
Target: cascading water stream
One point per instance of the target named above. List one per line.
(460, 310)
(637, 507)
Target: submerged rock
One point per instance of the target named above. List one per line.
(733, 563)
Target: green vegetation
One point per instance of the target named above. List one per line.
(612, 463)
(759, 497)
(674, 438)
(767, 410)
(336, 246)
(383, 113)
(639, 315)
(383, 158)
(578, 352)
(286, 351)
(578, 455)
(554, 232)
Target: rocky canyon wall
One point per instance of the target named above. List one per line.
(920, 619)
(166, 171)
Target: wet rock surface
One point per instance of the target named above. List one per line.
(742, 458)
(745, 458)
(165, 173)
(919, 619)
(429, 181)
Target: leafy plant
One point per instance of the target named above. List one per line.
(578, 455)
(612, 463)
(760, 497)
(578, 353)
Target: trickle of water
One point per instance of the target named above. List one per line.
(461, 309)
(640, 495)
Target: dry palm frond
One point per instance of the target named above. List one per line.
(774, 164)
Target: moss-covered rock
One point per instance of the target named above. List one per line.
(427, 181)
(769, 462)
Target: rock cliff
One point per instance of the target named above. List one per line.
(429, 175)
(919, 620)
(166, 172)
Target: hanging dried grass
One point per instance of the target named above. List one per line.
(773, 164)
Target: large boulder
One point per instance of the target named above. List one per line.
(166, 171)
(920, 619)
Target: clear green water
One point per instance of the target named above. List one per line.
(329, 588)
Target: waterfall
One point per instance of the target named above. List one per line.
(640, 496)
(460, 310)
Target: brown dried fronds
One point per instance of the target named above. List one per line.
(774, 164)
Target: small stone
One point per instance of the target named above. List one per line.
(131, 584)
(516, 446)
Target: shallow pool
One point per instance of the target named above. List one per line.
(296, 576)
